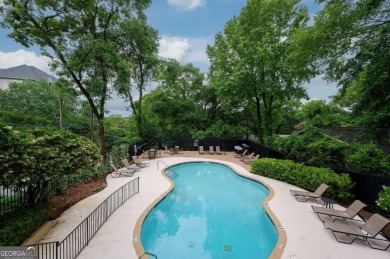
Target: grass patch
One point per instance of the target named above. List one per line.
(18, 225)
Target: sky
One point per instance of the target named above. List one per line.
(185, 29)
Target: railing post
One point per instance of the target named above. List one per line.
(57, 248)
(105, 211)
(123, 195)
(88, 230)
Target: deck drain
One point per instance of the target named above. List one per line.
(191, 244)
(227, 248)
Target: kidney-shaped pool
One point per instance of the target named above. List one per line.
(211, 213)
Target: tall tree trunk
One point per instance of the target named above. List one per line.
(259, 119)
(139, 118)
(136, 113)
(140, 89)
(268, 122)
(102, 141)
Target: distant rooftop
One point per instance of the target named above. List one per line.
(350, 135)
(25, 72)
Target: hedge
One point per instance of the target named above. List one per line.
(306, 177)
(384, 199)
(17, 226)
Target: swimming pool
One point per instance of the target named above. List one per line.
(211, 213)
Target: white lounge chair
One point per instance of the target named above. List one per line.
(129, 166)
(305, 195)
(138, 162)
(123, 171)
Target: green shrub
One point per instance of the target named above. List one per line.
(32, 158)
(118, 153)
(17, 226)
(23, 120)
(384, 199)
(306, 177)
(315, 148)
(368, 159)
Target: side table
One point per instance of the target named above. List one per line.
(328, 202)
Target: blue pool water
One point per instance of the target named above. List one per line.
(211, 213)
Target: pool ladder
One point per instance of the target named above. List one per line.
(147, 253)
(161, 162)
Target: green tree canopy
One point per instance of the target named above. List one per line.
(83, 38)
(140, 47)
(254, 58)
(318, 113)
(39, 98)
(351, 41)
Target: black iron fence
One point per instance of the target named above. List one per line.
(11, 197)
(75, 242)
(367, 186)
(229, 144)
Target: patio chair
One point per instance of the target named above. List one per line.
(370, 230)
(303, 196)
(127, 165)
(251, 156)
(123, 171)
(138, 162)
(174, 150)
(242, 154)
(248, 161)
(218, 150)
(349, 213)
(211, 150)
(201, 150)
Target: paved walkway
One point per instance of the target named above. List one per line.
(306, 236)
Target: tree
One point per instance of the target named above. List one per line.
(82, 38)
(181, 87)
(117, 130)
(351, 41)
(254, 59)
(140, 47)
(318, 113)
(38, 98)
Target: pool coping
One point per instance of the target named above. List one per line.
(307, 237)
(282, 237)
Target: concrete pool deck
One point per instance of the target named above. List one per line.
(306, 235)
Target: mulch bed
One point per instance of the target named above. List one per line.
(75, 194)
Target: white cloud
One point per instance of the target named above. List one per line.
(23, 57)
(173, 47)
(187, 5)
(186, 50)
(197, 55)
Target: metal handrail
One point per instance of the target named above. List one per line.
(147, 253)
(79, 238)
(161, 162)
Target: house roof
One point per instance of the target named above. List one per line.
(347, 134)
(350, 135)
(25, 72)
